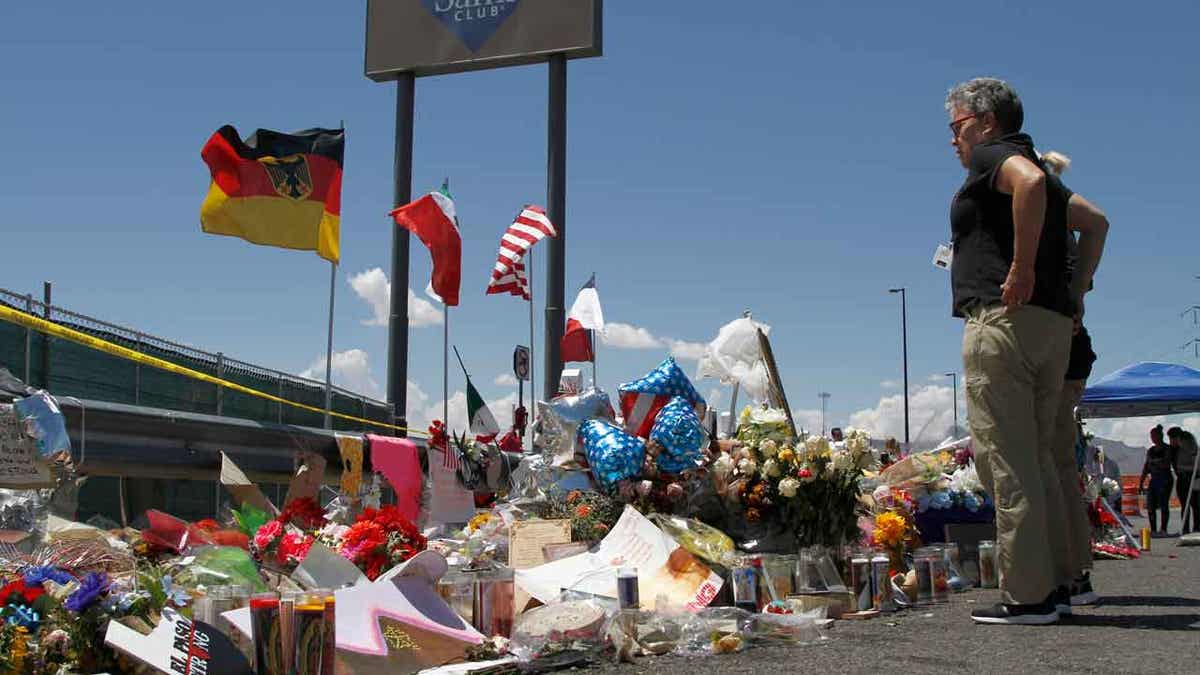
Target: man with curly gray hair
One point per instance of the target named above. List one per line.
(1013, 281)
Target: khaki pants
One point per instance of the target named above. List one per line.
(1014, 362)
(1068, 520)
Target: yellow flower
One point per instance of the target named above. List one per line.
(890, 528)
(787, 455)
(479, 521)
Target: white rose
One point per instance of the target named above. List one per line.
(842, 461)
(723, 466)
(768, 448)
(747, 467)
(771, 468)
(816, 445)
(788, 487)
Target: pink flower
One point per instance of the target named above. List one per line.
(674, 491)
(267, 534)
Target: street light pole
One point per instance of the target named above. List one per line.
(824, 396)
(904, 347)
(954, 381)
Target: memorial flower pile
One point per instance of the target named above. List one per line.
(811, 486)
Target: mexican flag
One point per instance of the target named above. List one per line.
(432, 218)
(483, 423)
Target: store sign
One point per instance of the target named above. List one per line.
(432, 37)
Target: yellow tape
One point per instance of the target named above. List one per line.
(51, 328)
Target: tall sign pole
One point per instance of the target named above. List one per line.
(556, 210)
(397, 368)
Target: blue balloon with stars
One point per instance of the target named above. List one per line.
(613, 454)
(678, 430)
(642, 399)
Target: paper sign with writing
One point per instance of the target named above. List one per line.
(20, 465)
(451, 502)
(351, 449)
(664, 568)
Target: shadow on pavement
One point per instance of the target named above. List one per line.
(1183, 622)
(1146, 601)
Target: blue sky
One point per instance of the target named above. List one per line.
(793, 160)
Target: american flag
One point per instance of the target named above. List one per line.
(451, 461)
(529, 227)
(641, 400)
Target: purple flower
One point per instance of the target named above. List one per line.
(39, 574)
(90, 589)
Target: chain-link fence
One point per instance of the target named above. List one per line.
(68, 369)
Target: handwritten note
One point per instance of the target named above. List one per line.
(20, 466)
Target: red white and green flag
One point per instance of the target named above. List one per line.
(433, 219)
(483, 423)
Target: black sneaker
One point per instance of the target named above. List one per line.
(1062, 601)
(1081, 591)
(1040, 614)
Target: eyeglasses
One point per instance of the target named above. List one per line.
(956, 125)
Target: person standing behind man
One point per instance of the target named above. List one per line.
(1184, 451)
(1011, 282)
(1069, 527)
(1158, 468)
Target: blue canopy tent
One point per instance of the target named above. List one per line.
(1144, 389)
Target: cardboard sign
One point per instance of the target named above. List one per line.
(20, 464)
(351, 449)
(244, 491)
(527, 540)
(179, 646)
(398, 460)
(308, 478)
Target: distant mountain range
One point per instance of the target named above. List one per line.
(1129, 458)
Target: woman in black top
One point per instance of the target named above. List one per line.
(1158, 468)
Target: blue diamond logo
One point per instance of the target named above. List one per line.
(473, 21)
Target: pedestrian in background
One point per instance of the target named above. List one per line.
(1158, 468)
(1183, 446)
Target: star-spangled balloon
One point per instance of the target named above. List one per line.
(678, 430)
(558, 423)
(613, 454)
(642, 399)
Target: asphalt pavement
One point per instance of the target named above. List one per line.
(1148, 621)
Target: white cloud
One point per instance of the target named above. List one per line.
(625, 336)
(427, 410)
(1135, 431)
(930, 413)
(690, 351)
(889, 384)
(809, 420)
(505, 380)
(373, 287)
(351, 370)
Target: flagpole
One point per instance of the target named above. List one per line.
(446, 366)
(595, 347)
(532, 377)
(329, 348)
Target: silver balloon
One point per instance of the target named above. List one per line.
(558, 421)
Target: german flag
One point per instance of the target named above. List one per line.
(276, 189)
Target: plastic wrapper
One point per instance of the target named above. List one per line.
(23, 516)
(557, 425)
(735, 357)
(701, 540)
(634, 633)
(571, 628)
(715, 630)
(220, 566)
(791, 629)
(613, 454)
(679, 431)
(534, 478)
(44, 422)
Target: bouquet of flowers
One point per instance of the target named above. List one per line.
(592, 514)
(379, 540)
(285, 540)
(810, 486)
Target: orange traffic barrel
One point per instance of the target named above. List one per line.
(1131, 498)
